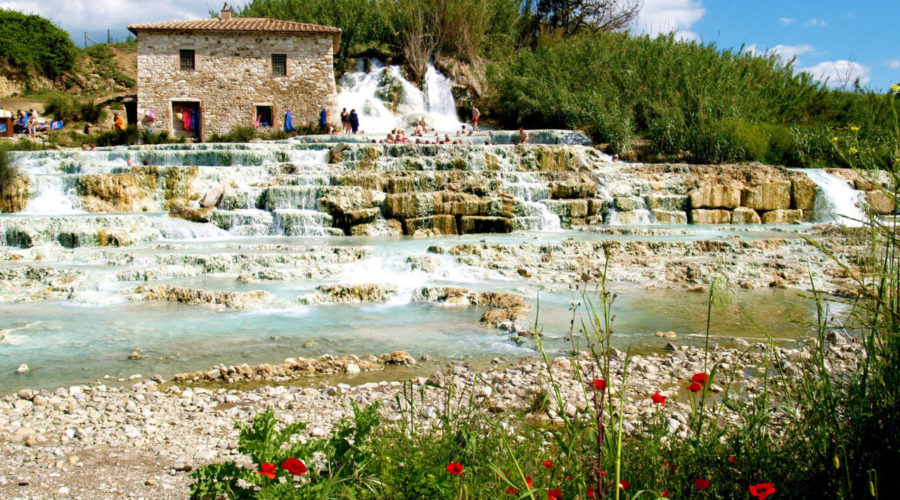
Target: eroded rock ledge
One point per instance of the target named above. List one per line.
(212, 298)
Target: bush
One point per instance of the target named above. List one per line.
(118, 137)
(682, 96)
(240, 133)
(71, 109)
(34, 46)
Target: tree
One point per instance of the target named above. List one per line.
(572, 16)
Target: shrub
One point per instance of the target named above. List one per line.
(71, 109)
(240, 133)
(33, 45)
(118, 137)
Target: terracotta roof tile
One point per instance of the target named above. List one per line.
(235, 24)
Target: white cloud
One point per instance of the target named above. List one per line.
(788, 52)
(892, 63)
(814, 22)
(667, 16)
(785, 53)
(786, 20)
(75, 16)
(840, 74)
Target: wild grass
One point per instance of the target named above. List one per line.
(72, 109)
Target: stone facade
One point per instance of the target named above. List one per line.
(232, 76)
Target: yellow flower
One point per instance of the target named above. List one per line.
(853, 151)
(834, 139)
(854, 128)
(895, 87)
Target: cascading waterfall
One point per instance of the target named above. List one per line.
(360, 91)
(54, 196)
(837, 202)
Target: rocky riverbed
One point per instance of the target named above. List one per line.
(95, 442)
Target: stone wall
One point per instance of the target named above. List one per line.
(232, 75)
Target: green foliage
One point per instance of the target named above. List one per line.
(685, 97)
(71, 109)
(34, 46)
(241, 133)
(118, 137)
(344, 458)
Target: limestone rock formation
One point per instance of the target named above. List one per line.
(212, 298)
(782, 217)
(716, 196)
(744, 215)
(710, 216)
(14, 194)
(349, 294)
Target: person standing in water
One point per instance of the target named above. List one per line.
(476, 115)
(523, 136)
(345, 121)
(353, 119)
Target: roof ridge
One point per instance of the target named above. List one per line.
(235, 24)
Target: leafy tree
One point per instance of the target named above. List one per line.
(573, 16)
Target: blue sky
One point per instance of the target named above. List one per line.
(838, 40)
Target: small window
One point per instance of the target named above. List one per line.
(187, 60)
(279, 64)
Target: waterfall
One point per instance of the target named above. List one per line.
(836, 200)
(360, 91)
(54, 197)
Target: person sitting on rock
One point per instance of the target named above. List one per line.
(419, 131)
(523, 136)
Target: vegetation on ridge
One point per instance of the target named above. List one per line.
(34, 46)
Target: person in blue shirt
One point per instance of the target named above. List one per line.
(323, 119)
(354, 121)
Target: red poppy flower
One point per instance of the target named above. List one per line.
(762, 490)
(590, 494)
(554, 494)
(295, 466)
(529, 482)
(700, 378)
(658, 399)
(454, 468)
(548, 464)
(695, 387)
(268, 470)
(732, 460)
(569, 478)
(664, 494)
(512, 491)
(624, 484)
(599, 384)
(702, 484)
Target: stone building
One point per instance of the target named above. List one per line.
(207, 76)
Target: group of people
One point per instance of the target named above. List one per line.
(349, 121)
(28, 123)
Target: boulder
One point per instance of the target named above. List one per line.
(744, 215)
(439, 224)
(710, 216)
(716, 196)
(397, 358)
(335, 154)
(214, 196)
(597, 206)
(568, 208)
(772, 195)
(409, 205)
(627, 204)
(803, 193)
(669, 217)
(880, 202)
(669, 202)
(470, 225)
(782, 217)
(381, 227)
(191, 214)
(572, 190)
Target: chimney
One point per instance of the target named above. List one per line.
(226, 12)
